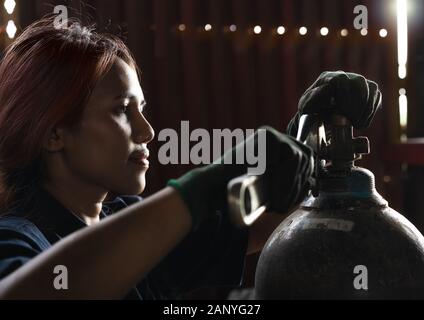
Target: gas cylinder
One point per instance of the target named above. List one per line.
(343, 241)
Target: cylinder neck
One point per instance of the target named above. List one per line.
(343, 189)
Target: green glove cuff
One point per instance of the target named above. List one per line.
(196, 190)
(204, 190)
(187, 198)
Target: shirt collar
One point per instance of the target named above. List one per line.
(50, 215)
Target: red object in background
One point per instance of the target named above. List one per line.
(410, 152)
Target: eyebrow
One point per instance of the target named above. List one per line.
(131, 97)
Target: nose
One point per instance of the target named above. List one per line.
(142, 130)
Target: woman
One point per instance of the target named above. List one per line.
(72, 130)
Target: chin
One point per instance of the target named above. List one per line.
(134, 187)
(141, 189)
(137, 187)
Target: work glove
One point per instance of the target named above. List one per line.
(348, 94)
(289, 165)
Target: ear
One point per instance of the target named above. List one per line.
(56, 140)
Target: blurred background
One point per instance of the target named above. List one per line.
(245, 63)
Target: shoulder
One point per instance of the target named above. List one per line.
(22, 229)
(20, 241)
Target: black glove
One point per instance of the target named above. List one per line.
(289, 164)
(288, 173)
(348, 94)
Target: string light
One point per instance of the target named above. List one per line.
(324, 31)
(303, 31)
(281, 30)
(383, 33)
(11, 29)
(9, 5)
(387, 179)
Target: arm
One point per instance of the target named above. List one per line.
(138, 237)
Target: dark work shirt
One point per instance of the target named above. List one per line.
(211, 256)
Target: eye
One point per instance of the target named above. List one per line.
(127, 106)
(122, 109)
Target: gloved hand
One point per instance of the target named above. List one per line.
(348, 94)
(289, 165)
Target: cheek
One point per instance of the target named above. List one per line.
(100, 149)
(100, 156)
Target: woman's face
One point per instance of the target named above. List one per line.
(112, 131)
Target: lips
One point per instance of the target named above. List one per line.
(140, 157)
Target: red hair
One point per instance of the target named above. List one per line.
(46, 78)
